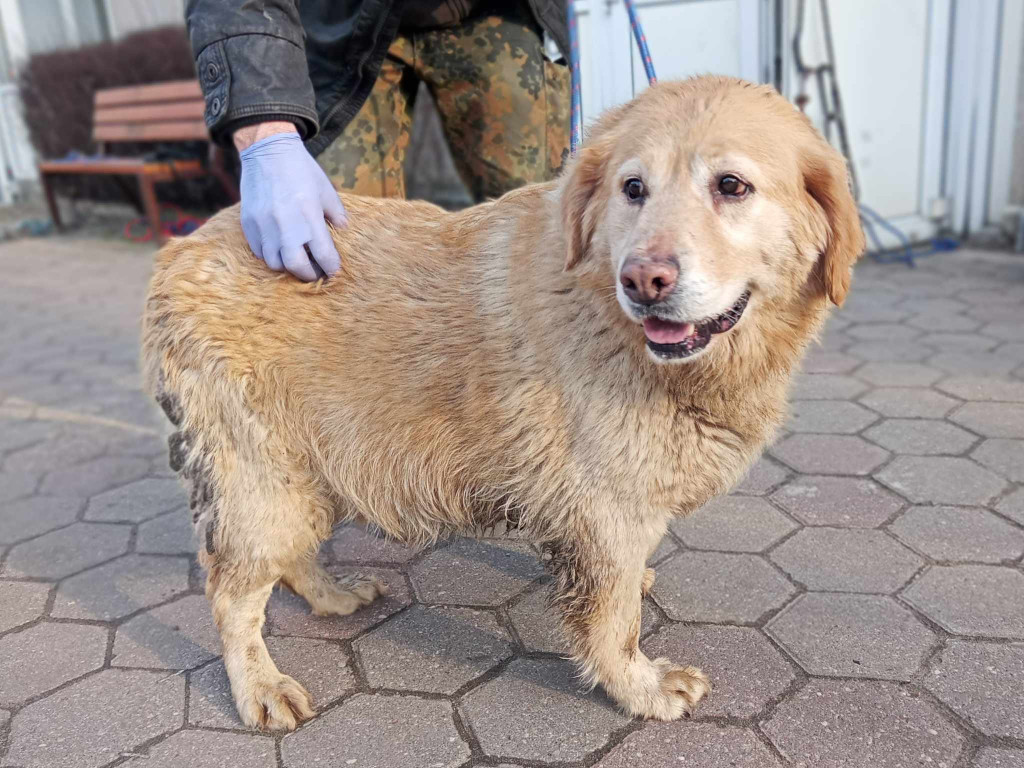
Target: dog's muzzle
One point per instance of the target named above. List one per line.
(672, 340)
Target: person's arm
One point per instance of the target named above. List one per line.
(252, 69)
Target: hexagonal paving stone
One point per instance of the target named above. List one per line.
(983, 683)
(471, 572)
(354, 544)
(1013, 506)
(978, 363)
(846, 501)
(890, 351)
(136, 501)
(69, 650)
(205, 749)
(20, 433)
(94, 476)
(21, 602)
(733, 524)
(906, 402)
(983, 388)
(941, 480)
(930, 321)
(852, 636)
(836, 724)
(60, 452)
(432, 649)
(538, 627)
(959, 533)
(535, 710)
(923, 437)
(945, 341)
(93, 722)
(764, 475)
(537, 623)
(1005, 331)
(829, 416)
(61, 553)
(392, 731)
(1003, 456)
(829, 454)
(719, 588)
(924, 305)
(745, 669)
(820, 361)
(289, 614)
(899, 374)
(30, 517)
(16, 486)
(321, 666)
(990, 757)
(992, 419)
(983, 600)
(836, 560)
(169, 534)
(179, 635)
(698, 744)
(826, 386)
(120, 587)
(883, 332)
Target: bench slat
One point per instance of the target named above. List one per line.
(179, 130)
(174, 90)
(126, 166)
(150, 113)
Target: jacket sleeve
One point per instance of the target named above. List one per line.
(251, 62)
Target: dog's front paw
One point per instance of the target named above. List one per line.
(279, 703)
(673, 692)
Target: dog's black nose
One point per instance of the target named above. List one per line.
(648, 281)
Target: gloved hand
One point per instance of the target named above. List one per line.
(285, 199)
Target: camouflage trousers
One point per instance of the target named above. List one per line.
(503, 104)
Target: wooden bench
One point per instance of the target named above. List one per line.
(160, 113)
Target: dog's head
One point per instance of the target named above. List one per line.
(709, 199)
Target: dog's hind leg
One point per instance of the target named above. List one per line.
(600, 577)
(267, 517)
(328, 595)
(265, 698)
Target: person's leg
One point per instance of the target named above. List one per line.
(504, 105)
(369, 155)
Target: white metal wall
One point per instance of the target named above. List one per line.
(929, 86)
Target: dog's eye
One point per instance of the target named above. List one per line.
(635, 190)
(730, 186)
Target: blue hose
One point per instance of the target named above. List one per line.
(905, 253)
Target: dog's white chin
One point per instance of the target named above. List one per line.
(678, 360)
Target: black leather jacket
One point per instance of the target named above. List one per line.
(312, 62)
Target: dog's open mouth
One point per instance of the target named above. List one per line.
(672, 340)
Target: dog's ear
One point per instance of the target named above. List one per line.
(579, 219)
(828, 183)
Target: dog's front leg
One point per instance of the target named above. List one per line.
(600, 576)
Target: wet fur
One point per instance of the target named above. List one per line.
(469, 367)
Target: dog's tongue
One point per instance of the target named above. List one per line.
(666, 332)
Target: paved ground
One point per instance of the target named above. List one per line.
(859, 601)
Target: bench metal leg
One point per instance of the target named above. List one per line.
(147, 190)
(218, 167)
(51, 200)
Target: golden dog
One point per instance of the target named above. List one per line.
(587, 358)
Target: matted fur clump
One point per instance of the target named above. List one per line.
(589, 357)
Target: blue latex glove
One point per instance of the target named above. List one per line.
(286, 197)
